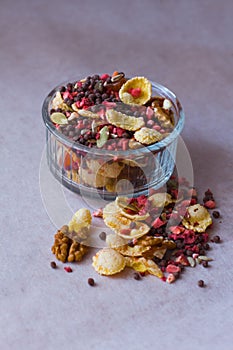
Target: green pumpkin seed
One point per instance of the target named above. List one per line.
(59, 118)
(191, 261)
(104, 133)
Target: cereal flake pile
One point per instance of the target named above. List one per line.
(160, 234)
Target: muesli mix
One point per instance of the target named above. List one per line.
(111, 113)
(160, 234)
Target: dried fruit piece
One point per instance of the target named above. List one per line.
(144, 265)
(155, 251)
(103, 137)
(88, 113)
(58, 102)
(124, 121)
(197, 218)
(136, 91)
(160, 199)
(58, 118)
(107, 261)
(128, 210)
(147, 136)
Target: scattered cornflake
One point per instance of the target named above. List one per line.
(108, 261)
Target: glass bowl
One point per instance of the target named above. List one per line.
(107, 172)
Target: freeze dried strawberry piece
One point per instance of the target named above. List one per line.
(125, 231)
(210, 204)
(181, 259)
(189, 236)
(171, 278)
(176, 229)
(104, 77)
(158, 223)
(120, 131)
(68, 95)
(149, 112)
(171, 268)
(98, 213)
(135, 92)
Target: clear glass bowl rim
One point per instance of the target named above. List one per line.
(156, 147)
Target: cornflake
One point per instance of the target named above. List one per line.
(108, 261)
(137, 91)
(147, 136)
(197, 218)
(124, 121)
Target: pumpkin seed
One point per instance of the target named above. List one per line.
(191, 261)
(104, 133)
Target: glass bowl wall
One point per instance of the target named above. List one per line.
(108, 173)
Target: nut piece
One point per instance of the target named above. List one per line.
(66, 249)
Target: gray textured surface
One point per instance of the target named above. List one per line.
(186, 45)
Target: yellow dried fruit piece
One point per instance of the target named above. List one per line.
(144, 265)
(58, 102)
(155, 251)
(122, 205)
(150, 241)
(160, 199)
(58, 118)
(144, 87)
(80, 220)
(87, 113)
(197, 218)
(108, 261)
(148, 136)
(124, 121)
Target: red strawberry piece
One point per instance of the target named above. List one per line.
(158, 223)
(181, 259)
(125, 231)
(119, 132)
(136, 92)
(98, 213)
(109, 104)
(104, 76)
(79, 84)
(68, 269)
(210, 204)
(172, 268)
(170, 278)
(176, 229)
(149, 112)
(66, 94)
